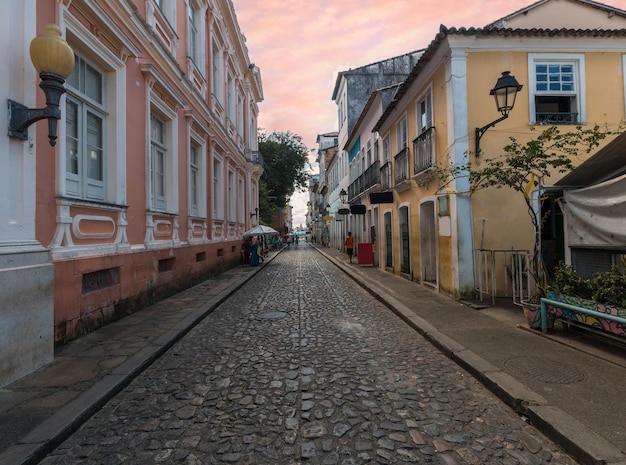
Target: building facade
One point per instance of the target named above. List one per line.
(568, 55)
(154, 175)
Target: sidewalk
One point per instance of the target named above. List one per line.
(572, 391)
(571, 386)
(39, 411)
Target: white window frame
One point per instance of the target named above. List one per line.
(232, 196)
(199, 168)
(194, 179)
(169, 201)
(230, 97)
(218, 188)
(114, 161)
(424, 144)
(217, 70)
(426, 101)
(158, 162)
(386, 149)
(193, 32)
(578, 62)
(240, 200)
(402, 138)
(81, 142)
(168, 9)
(240, 113)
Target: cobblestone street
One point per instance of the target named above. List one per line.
(303, 366)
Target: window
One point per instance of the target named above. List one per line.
(401, 137)
(386, 149)
(376, 149)
(193, 33)
(231, 196)
(85, 126)
(194, 180)
(240, 202)
(240, 115)
(425, 114)
(168, 9)
(217, 189)
(424, 144)
(158, 152)
(557, 89)
(230, 98)
(217, 77)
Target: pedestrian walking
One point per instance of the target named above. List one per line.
(350, 245)
(254, 254)
(247, 249)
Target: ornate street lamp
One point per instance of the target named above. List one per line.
(343, 196)
(53, 59)
(504, 93)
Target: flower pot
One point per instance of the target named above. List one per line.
(593, 320)
(532, 312)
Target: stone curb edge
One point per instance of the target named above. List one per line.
(575, 438)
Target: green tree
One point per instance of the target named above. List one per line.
(285, 160)
(522, 167)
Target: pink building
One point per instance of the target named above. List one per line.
(152, 179)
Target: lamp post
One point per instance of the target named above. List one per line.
(53, 59)
(504, 93)
(343, 196)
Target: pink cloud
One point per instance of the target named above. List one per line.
(301, 45)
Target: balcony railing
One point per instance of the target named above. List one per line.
(385, 176)
(556, 118)
(255, 156)
(424, 150)
(401, 166)
(370, 178)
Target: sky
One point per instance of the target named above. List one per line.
(301, 45)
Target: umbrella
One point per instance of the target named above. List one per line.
(260, 230)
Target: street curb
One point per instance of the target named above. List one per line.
(47, 436)
(575, 438)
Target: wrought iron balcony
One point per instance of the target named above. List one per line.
(368, 179)
(556, 118)
(401, 166)
(385, 176)
(424, 150)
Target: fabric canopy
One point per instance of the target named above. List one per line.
(260, 230)
(596, 215)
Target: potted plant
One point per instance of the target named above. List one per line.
(603, 294)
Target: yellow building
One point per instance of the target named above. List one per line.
(570, 59)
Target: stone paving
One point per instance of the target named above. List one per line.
(303, 366)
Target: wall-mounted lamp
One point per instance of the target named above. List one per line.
(256, 212)
(53, 59)
(343, 196)
(504, 92)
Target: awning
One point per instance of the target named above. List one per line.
(596, 215)
(607, 163)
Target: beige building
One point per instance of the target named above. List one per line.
(570, 58)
